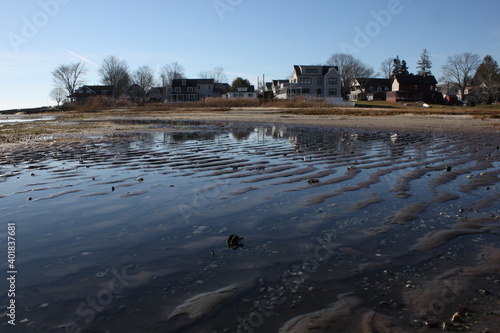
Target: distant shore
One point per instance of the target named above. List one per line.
(80, 125)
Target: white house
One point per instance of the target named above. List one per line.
(243, 92)
(322, 82)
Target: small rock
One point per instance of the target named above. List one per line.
(384, 304)
(432, 323)
(455, 318)
(140, 179)
(43, 305)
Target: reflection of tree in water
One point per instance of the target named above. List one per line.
(241, 134)
(193, 136)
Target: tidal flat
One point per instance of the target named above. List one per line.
(343, 230)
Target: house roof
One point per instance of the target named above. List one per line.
(324, 69)
(191, 82)
(94, 90)
(416, 79)
(277, 82)
(250, 88)
(374, 82)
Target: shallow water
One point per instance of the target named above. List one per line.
(24, 120)
(115, 234)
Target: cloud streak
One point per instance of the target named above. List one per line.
(80, 57)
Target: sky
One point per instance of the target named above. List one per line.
(248, 38)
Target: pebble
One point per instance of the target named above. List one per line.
(43, 305)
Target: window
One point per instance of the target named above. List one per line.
(191, 96)
(169, 89)
(177, 89)
(250, 95)
(305, 80)
(332, 80)
(311, 70)
(190, 89)
(332, 92)
(318, 92)
(183, 82)
(306, 91)
(320, 80)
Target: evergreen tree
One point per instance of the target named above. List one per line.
(424, 64)
(404, 68)
(396, 70)
(400, 67)
(487, 80)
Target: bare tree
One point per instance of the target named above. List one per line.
(460, 69)
(114, 72)
(386, 67)
(171, 72)
(144, 78)
(69, 76)
(217, 74)
(349, 69)
(58, 94)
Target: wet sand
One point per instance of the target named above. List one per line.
(398, 234)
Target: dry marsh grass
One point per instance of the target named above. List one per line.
(298, 106)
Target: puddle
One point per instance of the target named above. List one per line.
(141, 224)
(4, 120)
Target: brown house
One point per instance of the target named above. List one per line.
(413, 88)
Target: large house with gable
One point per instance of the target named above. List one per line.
(191, 90)
(310, 82)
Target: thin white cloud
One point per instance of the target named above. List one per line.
(81, 57)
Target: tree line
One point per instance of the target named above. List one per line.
(461, 69)
(116, 72)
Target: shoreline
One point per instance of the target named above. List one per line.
(86, 125)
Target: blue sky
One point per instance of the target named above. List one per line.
(247, 38)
